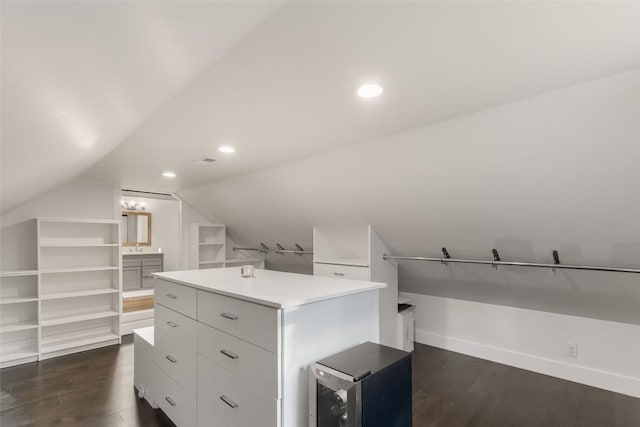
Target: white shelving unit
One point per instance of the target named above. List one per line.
(80, 285)
(18, 317)
(356, 253)
(208, 246)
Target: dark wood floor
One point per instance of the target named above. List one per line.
(95, 389)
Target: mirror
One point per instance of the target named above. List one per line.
(136, 228)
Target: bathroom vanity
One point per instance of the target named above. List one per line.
(137, 268)
(233, 351)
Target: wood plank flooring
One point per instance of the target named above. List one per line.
(95, 389)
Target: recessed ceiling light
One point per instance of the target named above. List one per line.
(169, 174)
(369, 91)
(226, 149)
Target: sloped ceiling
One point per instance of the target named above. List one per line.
(78, 76)
(287, 91)
(558, 171)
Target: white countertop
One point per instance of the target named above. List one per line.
(271, 288)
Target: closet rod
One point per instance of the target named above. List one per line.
(277, 251)
(517, 264)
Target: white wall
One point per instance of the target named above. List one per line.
(165, 228)
(556, 171)
(76, 199)
(608, 352)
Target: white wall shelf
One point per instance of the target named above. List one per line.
(79, 269)
(59, 343)
(242, 261)
(78, 318)
(356, 262)
(21, 326)
(77, 294)
(18, 356)
(207, 244)
(80, 284)
(14, 300)
(80, 245)
(18, 273)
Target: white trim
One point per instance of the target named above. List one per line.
(580, 374)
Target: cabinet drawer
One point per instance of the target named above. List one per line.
(180, 328)
(341, 271)
(152, 262)
(176, 360)
(126, 262)
(177, 297)
(179, 405)
(253, 364)
(231, 400)
(251, 322)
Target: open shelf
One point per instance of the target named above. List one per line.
(78, 318)
(76, 294)
(79, 245)
(211, 244)
(22, 326)
(16, 273)
(10, 357)
(17, 300)
(67, 341)
(243, 260)
(344, 261)
(78, 269)
(211, 262)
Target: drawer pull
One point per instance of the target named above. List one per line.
(229, 354)
(229, 316)
(171, 359)
(172, 296)
(338, 274)
(228, 401)
(170, 400)
(172, 324)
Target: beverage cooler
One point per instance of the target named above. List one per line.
(368, 385)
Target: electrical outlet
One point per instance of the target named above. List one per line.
(572, 349)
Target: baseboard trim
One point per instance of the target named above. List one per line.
(580, 374)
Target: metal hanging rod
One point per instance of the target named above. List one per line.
(281, 250)
(496, 261)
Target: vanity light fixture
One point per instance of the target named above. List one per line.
(226, 149)
(169, 174)
(369, 91)
(132, 205)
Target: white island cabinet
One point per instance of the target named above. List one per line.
(233, 351)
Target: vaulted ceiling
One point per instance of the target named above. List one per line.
(121, 91)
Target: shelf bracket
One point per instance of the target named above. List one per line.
(299, 249)
(279, 248)
(264, 248)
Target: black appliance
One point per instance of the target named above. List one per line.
(368, 385)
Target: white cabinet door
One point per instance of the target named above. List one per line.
(130, 278)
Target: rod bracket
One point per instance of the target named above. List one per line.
(279, 248)
(299, 249)
(556, 259)
(264, 248)
(496, 256)
(445, 255)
